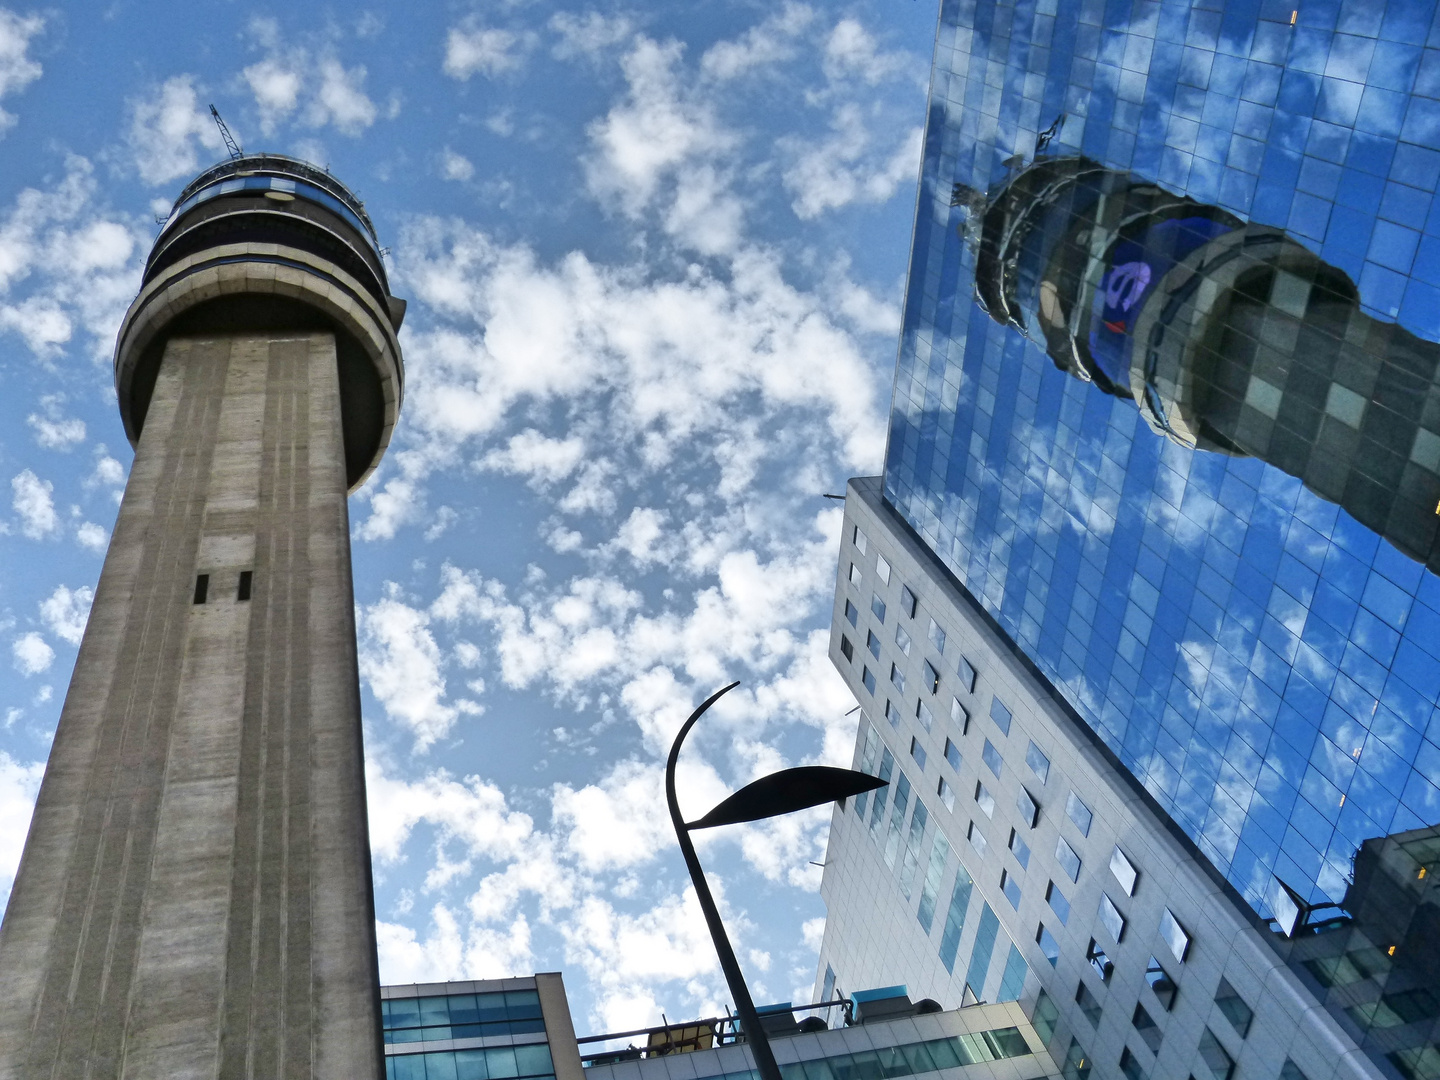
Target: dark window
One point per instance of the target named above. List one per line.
(1234, 1007)
(1000, 713)
(1011, 888)
(902, 639)
(1217, 1059)
(846, 649)
(1068, 860)
(892, 714)
(852, 613)
(1020, 849)
(932, 677)
(867, 679)
(937, 637)
(960, 716)
(859, 539)
(991, 757)
(946, 793)
(1029, 809)
(1099, 961)
(1038, 762)
(897, 677)
(1077, 1063)
(854, 575)
(1150, 1031)
(1130, 1065)
(1161, 983)
(1048, 945)
(923, 714)
(1079, 813)
(202, 587)
(872, 643)
(985, 800)
(878, 607)
(243, 592)
(952, 755)
(1089, 1004)
(976, 838)
(1047, 1015)
(1111, 918)
(917, 752)
(1056, 899)
(907, 601)
(1291, 1071)
(966, 671)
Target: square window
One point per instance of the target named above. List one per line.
(1145, 1024)
(1068, 860)
(1048, 945)
(897, 677)
(966, 671)
(1130, 1066)
(952, 755)
(852, 613)
(1174, 935)
(1079, 813)
(858, 539)
(984, 800)
(960, 716)
(1217, 1059)
(1020, 849)
(937, 637)
(923, 714)
(1089, 1004)
(1011, 888)
(854, 574)
(1056, 899)
(947, 794)
(1099, 961)
(882, 569)
(917, 752)
(846, 649)
(932, 677)
(872, 643)
(1000, 713)
(977, 838)
(1161, 983)
(1038, 762)
(902, 639)
(867, 679)
(877, 606)
(1029, 809)
(892, 714)
(907, 601)
(1233, 1006)
(1077, 1062)
(991, 757)
(1111, 919)
(1124, 871)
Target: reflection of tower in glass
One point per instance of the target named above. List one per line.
(1229, 337)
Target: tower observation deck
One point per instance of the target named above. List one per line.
(194, 897)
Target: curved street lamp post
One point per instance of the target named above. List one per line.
(779, 793)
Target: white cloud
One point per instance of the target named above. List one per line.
(846, 167)
(19, 784)
(851, 51)
(455, 166)
(589, 34)
(765, 44)
(292, 75)
(543, 461)
(401, 661)
(276, 87)
(33, 502)
(341, 99)
(92, 536)
(52, 430)
(32, 654)
(472, 49)
(108, 470)
(17, 69)
(168, 129)
(65, 612)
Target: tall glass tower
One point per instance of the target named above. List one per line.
(194, 897)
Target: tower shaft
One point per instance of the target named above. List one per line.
(194, 899)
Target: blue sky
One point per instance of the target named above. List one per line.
(654, 259)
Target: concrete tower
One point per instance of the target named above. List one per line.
(194, 898)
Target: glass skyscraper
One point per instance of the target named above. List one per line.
(1167, 399)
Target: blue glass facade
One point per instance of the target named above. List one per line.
(1261, 651)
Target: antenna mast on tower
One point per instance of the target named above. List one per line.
(230, 144)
